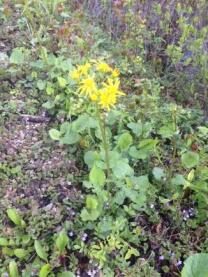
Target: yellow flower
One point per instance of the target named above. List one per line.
(107, 99)
(88, 86)
(115, 73)
(83, 69)
(103, 67)
(75, 74)
(94, 96)
(113, 87)
(106, 96)
(109, 94)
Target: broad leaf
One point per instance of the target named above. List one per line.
(40, 251)
(84, 122)
(54, 134)
(119, 197)
(196, 266)
(91, 215)
(45, 270)
(13, 269)
(4, 242)
(62, 241)
(91, 157)
(49, 89)
(148, 144)
(114, 157)
(136, 128)
(158, 173)
(41, 84)
(97, 176)
(18, 55)
(122, 169)
(62, 82)
(15, 217)
(71, 137)
(20, 253)
(7, 251)
(178, 180)
(146, 147)
(93, 209)
(124, 141)
(134, 153)
(91, 202)
(167, 131)
(190, 159)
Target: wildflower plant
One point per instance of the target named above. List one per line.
(123, 179)
(98, 83)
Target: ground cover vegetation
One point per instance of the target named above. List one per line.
(103, 138)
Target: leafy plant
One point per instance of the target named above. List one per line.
(196, 265)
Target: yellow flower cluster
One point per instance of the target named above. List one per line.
(99, 82)
(80, 71)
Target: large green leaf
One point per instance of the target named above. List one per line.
(97, 176)
(41, 84)
(84, 122)
(190, 159)
(91, 215)
(4, 242)
(114, 157)
(20, 253)
(146, 147)
(13, 269)
(122, 169)
(91, 157)
(91, 202)
(92, 210)
(119, 197)
(148, 144)
(71, 137)
(136, 128)
(62, 82)
(178, 180)
(15, 217)
(134, 153)
(196, 266)
(62, 241)
(54, 134)
(45, 270)
(18, 55)
(40, 250)
(141, 183)
(124, 141)
(167, 131)
(7, 251)
(158, 173)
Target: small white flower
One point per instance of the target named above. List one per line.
(179, 263)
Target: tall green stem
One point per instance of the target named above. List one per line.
(174, 117)
(102, 126)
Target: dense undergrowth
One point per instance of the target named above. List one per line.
(103, 143)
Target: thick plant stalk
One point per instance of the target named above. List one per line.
(102, 126)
